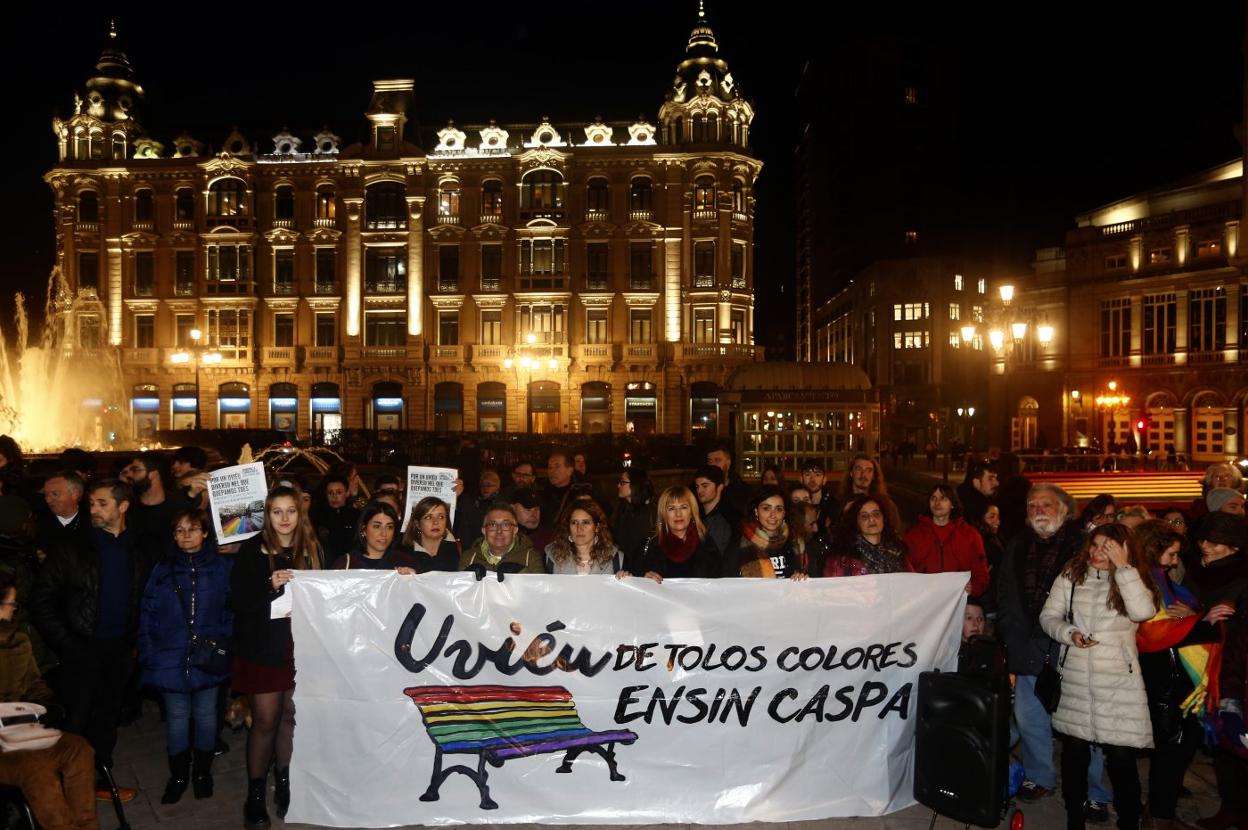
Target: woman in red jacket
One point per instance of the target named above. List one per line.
(940, 542)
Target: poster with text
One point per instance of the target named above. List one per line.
(236, 495)
(430, 481)
(440, 699)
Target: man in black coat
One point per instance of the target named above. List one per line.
(86, 605)
(736, 492)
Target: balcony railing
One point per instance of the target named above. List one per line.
(492, 352)
(641, 215)
(491, 284)
(740, 216)
(597, 282)
(385, 286)
(322, 355)
(636, 283)
(448, 285)
(240, 221)
(446, 354)
(183, 224)
(447, 219)
(647, 351)
(597, 215)
(88, 227)
(705, 214)
(492, 218)
(321, 287)
(324, 223)
(230, 287)
(1110, 362)
(277, 355)
(704, 281)
(541, 282)
(283, 223)
(184, 288)
(1206, 357)
(142, 357)
(593, 353)
(731, 351)
(143, 289)
(384, 352)
(1158, 360)
(738, 283)
(553, 214)
(284, 289)
(147, 225)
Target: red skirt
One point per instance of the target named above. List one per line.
(249, 678)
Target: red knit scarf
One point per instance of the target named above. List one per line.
(677, 550)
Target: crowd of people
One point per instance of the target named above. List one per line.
(113, 586)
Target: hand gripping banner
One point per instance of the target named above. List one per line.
(439, 699)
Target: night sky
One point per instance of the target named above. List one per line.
(1055, 115)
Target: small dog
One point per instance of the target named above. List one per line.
(238, 713)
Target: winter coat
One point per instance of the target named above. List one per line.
(1018, 623)
(257, 637)
(164, 641)
(519, 558)
(632, 525)
(704, 564)
(1103, 697)
(962, 550)
(20, 680)
(65, 602)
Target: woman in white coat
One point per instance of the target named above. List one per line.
(1095, 605)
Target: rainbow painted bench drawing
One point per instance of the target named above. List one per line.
(499, 723)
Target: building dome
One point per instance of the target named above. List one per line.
(805, 376)
(705, 91)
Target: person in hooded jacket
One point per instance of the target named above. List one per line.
(187, 597)
(1093, 609)
(941, 542)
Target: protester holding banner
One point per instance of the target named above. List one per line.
(501, 547)
(185, 604)
(428, 539)
(866, 540)
(583, 544)
(768, 548)
(941, 542)
(374, 543)
(264, 666)
(680, 547)
(1093, 609)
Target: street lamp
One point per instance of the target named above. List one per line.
(198, 353)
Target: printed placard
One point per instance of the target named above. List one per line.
(430, 481)
(236, 495)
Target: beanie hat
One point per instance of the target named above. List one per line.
(1223, 528)
(1219, 496)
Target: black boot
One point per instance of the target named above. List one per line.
(179, 777)
(201, 773)
(255, 817)
(281, 791)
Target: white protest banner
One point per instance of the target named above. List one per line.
(430, 481)
(236, 495)
(706, 701)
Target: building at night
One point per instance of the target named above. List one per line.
(592, 277)
(1148, 327)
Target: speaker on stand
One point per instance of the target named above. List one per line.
(961, 747)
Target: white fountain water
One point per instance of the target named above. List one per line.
(66, 390)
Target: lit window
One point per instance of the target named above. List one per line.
(1209, 248)
(910, 339)
(977, 313)
(957, 282)
(1116, 262)
(911, 95)
(1160, 256)
(910, 311)
(955, 311)
(981, 285)
(955, 340)
(912, 237)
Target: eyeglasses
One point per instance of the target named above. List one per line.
(499, 525)
(1176, 522)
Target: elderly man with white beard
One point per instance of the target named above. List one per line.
(1032, 561)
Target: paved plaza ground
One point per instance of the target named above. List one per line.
(141, 763)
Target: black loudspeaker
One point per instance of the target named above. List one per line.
(961, 746)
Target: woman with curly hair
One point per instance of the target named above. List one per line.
(582, 544)
(264, 651)
(866, 540)
(429, 539)
(1094, 608)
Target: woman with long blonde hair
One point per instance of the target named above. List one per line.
(264, 651)
(680, 546)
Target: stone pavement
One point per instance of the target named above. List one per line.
(141, 762)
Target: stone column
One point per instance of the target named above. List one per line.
(415, 265)
(353, 288)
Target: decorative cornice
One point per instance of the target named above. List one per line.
(490, 301)
(446, 301)
(648, 299)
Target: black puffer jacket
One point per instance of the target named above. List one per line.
(65, 602)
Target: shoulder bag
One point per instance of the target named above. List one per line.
(211, 654)
(1049, 680)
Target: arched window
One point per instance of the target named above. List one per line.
(227, 200)
(385, 206)
(541, 194)
(184, 205)
(326, 203)
(144, 206)
(699, 129)
(284, 202)
(448, 203)
(641, 195)
(597, 196)
(704, 194)
(491, 200)
(119, 145)
(88, 206)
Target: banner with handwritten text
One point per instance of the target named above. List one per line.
(440, 699)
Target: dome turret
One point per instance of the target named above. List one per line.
(705, 105)
(105, 122)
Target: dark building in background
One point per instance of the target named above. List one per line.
(876, 165)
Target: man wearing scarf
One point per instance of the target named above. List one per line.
(1033, 559)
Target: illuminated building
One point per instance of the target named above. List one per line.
(542, 277)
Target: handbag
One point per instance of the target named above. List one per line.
(1164, 708)
(210, 654)
(1049, 680)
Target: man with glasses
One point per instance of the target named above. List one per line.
(501, 548)
(523, 475)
